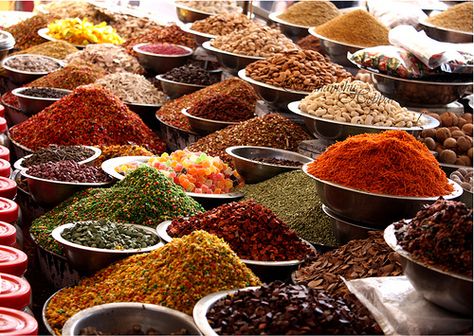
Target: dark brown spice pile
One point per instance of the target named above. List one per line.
(68, 171)
(190, 74)
(280, 162)
(44, 92)
(56, 153)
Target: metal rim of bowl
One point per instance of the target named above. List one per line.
(327, 210)
(39, 73)
(175, 127)
(207, 45)
(230, 151)
(18, 92)
(79, 184)
(137, 49)
(184, 112)
(458, 190)
(433, 122)
(312, 32)
(178, 5)
(43, 32)
(391, 240)
(417, 81)
(160, 78)
(97, 153)
(187, 29)
(157, 106)
(424, 22)
(274, 17)
(43, 312)
(242, 74)
(56, 234)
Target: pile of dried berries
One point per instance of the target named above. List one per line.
(190, 74)
(164, 49)
(222, 24)
(109, 152)
(281, 309)
(251, 230)
(144, 197)
(68, 171)
(440, 235)
(44, 92)
(26, 31)
(56, 153)
(271, 130)
(176, 275)
(32, 63)
(88, 116)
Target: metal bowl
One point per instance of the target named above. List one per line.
(21, 77)
(90, 259)
(175, 137)
(254, 171)
(290, 30)
(206, 126)
(177, 89)
(336, 51)
(230, 61)
(19, 150)
(189, 15)
(277, 96)
(200, 37)
(146, 112)
(19, 163)
(411, 92)
(369, 209)
(338, 130)
(49, 193)
(445, 34)
(43, 32)
(161, 63)
(446, 289)
(466, 196)
(33, 105)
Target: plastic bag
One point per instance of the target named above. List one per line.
(393, 13)
(400, 310)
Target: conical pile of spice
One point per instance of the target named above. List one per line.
(357, 27)
(310, 13)
(144, 197)
(176, 275)
(390, 163)
(55, 49)
(26, 31)
(90, 115)
(458, 17)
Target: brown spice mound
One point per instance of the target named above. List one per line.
(458, 17)
(310, 13)
(358, 28)
(26, 31)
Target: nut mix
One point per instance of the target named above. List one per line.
(68, 171)
(310, 13)
(222, 24)
(302, 70)
(254, 40)
(463, 176)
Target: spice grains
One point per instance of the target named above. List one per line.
(310, 13)
(457, 17)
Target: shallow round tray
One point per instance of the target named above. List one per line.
(97, 152)
(277, 96)
(33, 105)
(445, 34)
(443, 288)
(43, 32)
(338, 130)
(369, 209)
(175, 89)
(230, 61)
(291, 30)
(189, 15)
(200, 37)
(206, 126)
(21, 76)
(175, 137)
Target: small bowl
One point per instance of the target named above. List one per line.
(43, 32)
(91, 259)
(20, 76)
(466, 196)
(33, 105)
(277, 96)
(49, 193)
(161, 63)
(206, 126)
(19, 150)
(254, 171)
(175, 89)
(445, 289)
(18, 163)
(189, 15)
(175, 137)
(290, 30)
(369, 209)
(200, 37)
(336, 51)
(230, 61)
(338, 130)
(445, 34)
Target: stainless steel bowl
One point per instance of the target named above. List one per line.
(161, 63)
(13, 114)
(445, 34)
(90, 259)
(21, 77)
(374, 210)
(450, 168)
(277, 96)
(44, 33)
(337, 130)
(146, 112)
(446, 289)
(177, 89)
(290, 30)
(466, 196)
(200, 37)
(336, 51)
(230, 61)
(175, 137)
(187, 14)
(206, 126)
(33, 105)
(19, 150)
(50, 193)
(254, 171)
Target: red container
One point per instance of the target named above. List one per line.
(12, 261)
(8, 188)
(9, 210)
(15, 292)
(2, 111)
(4, 153)
(5, 168)
(15, 322)
(7, 234)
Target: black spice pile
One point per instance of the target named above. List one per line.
(54, 153)
(191, 74)
(44, 92)
(68, 171)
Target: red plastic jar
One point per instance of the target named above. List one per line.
(12, 261)
(2, 111)
(4, 141)
(15, 322)
(9, 211)
(8, 188)
(4, 153)
(15, 292)
(5, 168)
(7, 234)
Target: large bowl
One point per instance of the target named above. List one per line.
(445, 34)
(277, 96)
(336, 51)
(290, 30)
(230, 61)
(175, 137)
(146, 112)
(161, 63)
(189, 15)
(466, 197)
(91, 259)
(206, 126)
(369, 209)
(33, 105)
(175, 89)
(338, 130)
(445, 289)
(200, 37)
(254, 171)
(20, 76)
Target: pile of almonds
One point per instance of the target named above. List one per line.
(222, 24)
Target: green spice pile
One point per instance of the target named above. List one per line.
(271, 130)
(109, 235)
(56, 153)
(109, 152)
(253, 231)
(144, 197)
(90, 115)
(292, 197)
(176, 275)
(26, 31)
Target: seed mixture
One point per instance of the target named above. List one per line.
(457, 17)
(68, 171)
(144, 197)
(222, 24)
(44, 92)
(176, 275)
(213, 7)
(279, 162)
(251, 230)
(310, 13)
(54, 153)
(132, 88)
(109, 152)
(190, 74)
(32, 63)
